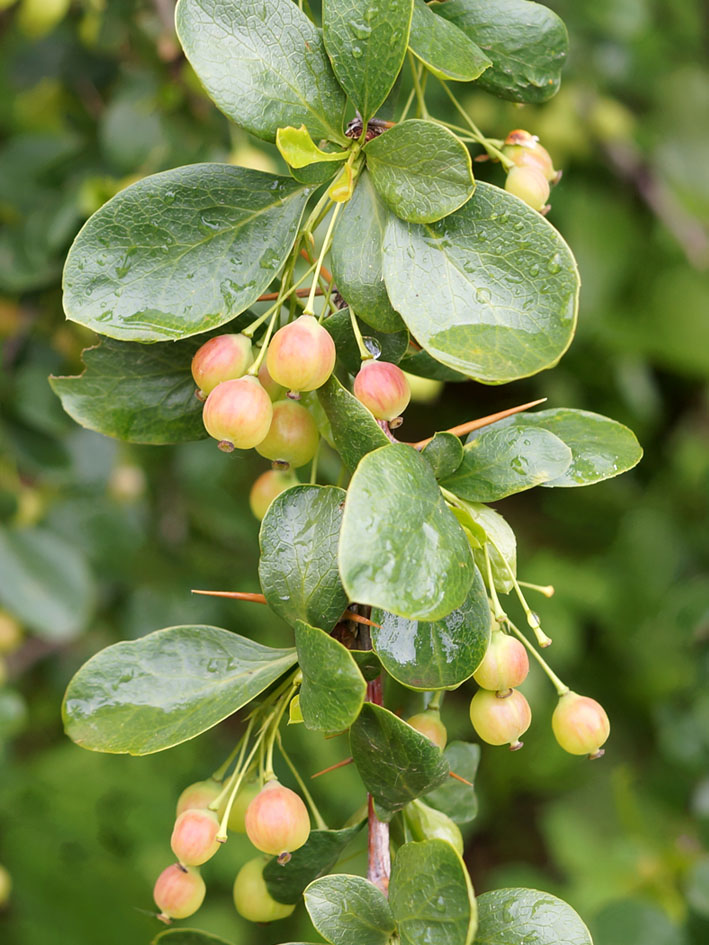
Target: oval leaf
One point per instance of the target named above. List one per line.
(444, 49)
(333, 688)
(355, 432)
(323, 849)
(454, 798)
(299, 150)
(519, 916)
(349, 910)
(187, 937)
(142, 696)
(444, 453)
(490, 291)
(181, 252)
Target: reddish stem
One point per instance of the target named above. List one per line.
(379, 855)
(471, 425)
(301, 293)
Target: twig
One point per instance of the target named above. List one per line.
(471, 425)
(260, 599)
(340, 764)
(301, 293)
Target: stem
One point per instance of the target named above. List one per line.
(547, 589)
(364, 353)
(409, 103)
(280, 299)
(423, 111)
(314, 466)
(378, 852)
(275, 722)
(323, 252)
(317, 816)
(477, 134)
(254, 369)
(560, 687)
(221, 771)
(532, 619)
(471, 425)
(237, 779)
(498, 613)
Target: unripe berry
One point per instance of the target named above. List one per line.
(179, 892)
(504, 666)
(293, 435)
(382, 388)
(500, 721)
(238, 414)
(526, 151)
(301, 355)
(10, 633)
(429, 724)
(252, 898)
(223, 358)
(267, 487)
(274, 391)
(580, 725)
(529, 184)
(5, 886)
(237, 814)
(194, 837)
(198, 796)
(277, 820)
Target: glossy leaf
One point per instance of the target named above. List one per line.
(502, 461)
(366, 42)
(368, 662)
(444, 453)
(392, 345)
(518, 916)
(401, 548)
(349, 910)
(446, 914)
(437, 655)
(396, 763)
(299, 150)
(527, 43)
(142, 696)
(454, 798)
(423, 365)
(323, 849)
(263, 64)
(298, 565)
(506, 287)
(333, 688)
(356, 257)
(187, 937)
(355, 432)
(491, 529)
(421, 170)
(181, 252)
(428, 823)
(444, 49)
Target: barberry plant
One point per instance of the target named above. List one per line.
(292, 305)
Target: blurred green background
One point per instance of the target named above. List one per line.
(100, 541)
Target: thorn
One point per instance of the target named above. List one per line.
(357, 618)
(301, 293)
(335, 734)
(458, 778)
(471, 425)
(340, 764)
(233, 595)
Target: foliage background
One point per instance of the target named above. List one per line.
(93, 95)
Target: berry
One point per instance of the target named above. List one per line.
(179, 892)
(5, 886)
(500, 721)
(277, 820)
(580, 725)
(382, 388)
(529, 184)
(267, 487)
(274, 391)
(429, 724)
(194, 837)
(301, 355)
(198, 796)
(526, 151)
(10, 633)
(504, 666)
(238, 413)
(237, 814)
(252, 898)
(293, 435)
(220, 359)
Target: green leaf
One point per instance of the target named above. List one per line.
(315, 174)
(368, 662)
(397, 764)
(490, 291)
(187, 937)
(355, 432)
(323, 849)
(392, 345)
(502, 461)
(454, 798)
(180, 252)
(298, 566)
(444, 453)
(46, 583)
(401, 548)
(444, 49)
(490, 528)
(299, 150)
(526, 42)
(263, 64)
(356, 257)
(333, 688)
(437, 655)
(349, 910)
(366, 42)
(423, 365)
(446, 914)
(421, 170)
(142, 696)
(427, 823)
(519, 916)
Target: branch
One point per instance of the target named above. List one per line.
(379, 855)
(471, 425)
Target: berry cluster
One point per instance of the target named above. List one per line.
(532, 172)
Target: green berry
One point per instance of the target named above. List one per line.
(500, 721)
(293, 435)
(267, 487)
(429, 724)
(198, 796)
(580, 725)
(237, 814)
(524, 150)
(529, 184)
(252, 898)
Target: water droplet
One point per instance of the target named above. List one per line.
(410, 252)
(360, 30)
(169, 197)
(482, 295)
(356, 52)
(270, 259)
(372, 345)
(554, 264)
(534, 269)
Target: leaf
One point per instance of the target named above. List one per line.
(421, 170)
(142, 696)
(454, 798)
(446, 914)
(323, 849)
(437, 655)
(263, 64)
(355, 432)
(518, 916)
(366, 42)
(180, 252)
(187, 937)
(392, 345)
(401, 548)
(502, 461)
(490, 291)
(299, 150)
(444, 453)
(492, 529)
(397, 764)
(356, 257)
(349, 910)
(423, 365)
(46, 583)
(443, 48)
(526, 42)
(333, 688)
(368, 662)
(428, 823)
(298, 566)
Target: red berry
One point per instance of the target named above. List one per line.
(293, 435)
(194, 837)
(301, 355)
(529, 184)
(504, 666)
(526, 151)
(238, 413)
(382, 388)
(267, 487)
(198, 796)
(429, 724)
(580, 725)
(500, 721)
(277, 820)
(223, 358)
(179, 892)
(252, 898)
